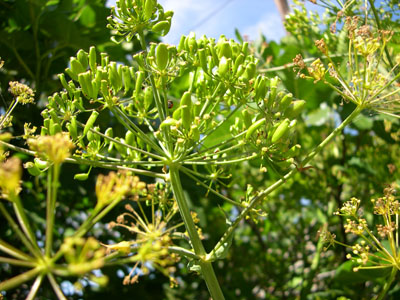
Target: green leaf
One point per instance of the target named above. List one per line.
(363, 122)
(344, 273)
(319, 116)
(88, 17)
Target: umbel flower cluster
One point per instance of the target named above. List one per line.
(376, 248)
(366, 82)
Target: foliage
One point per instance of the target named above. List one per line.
(214, 139)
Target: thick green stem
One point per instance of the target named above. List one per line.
(56, 287)
(33, 248)
(388, 283)
(17, 262)
(35, 288)
(159, 105)
(206, 266)
(52, 186)
(23, 220)
(10, 250)
(281, 181)
(20, 279)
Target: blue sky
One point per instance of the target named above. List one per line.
(250, 16)
(216, 17)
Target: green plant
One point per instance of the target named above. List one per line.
(372, 252)
(174, 103)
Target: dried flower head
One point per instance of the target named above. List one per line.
(55, 148)
(21, 92)
(115, 186)
(151, 235)
(355, 227)
(321, 45)
(372, 251)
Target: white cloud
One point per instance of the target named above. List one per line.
(186, 14)
(269, 25)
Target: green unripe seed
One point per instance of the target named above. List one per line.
(92, 58)
(90, 122)
(59, 100)
(238, 61)
(168, 122)
(161, 56)
(284, 164)
(214, 54)
(225, 50)
(81, 176)
(139, 81)
(54, 128)
(192, 44)
(186, 100)
(40, 164)
(113, 76)
(181, 45)
(293, 151)
(285, 102)
(224, 66)
(245, 48)
(254, 127)
(82, 57)
(104, 88)
(177, 113)
(109, 132)
(64, 82)
(54, 116)
(295, 109)
(246, 118)
(162, 28)
(104, 59)
(203, 59)
(250, 70)
(32, 168)
(91, 136)
(76, 66)
(130, 138)
(186, 115)
(71, 74)
(126, 76)
(148, 97)
(149, 7)
(83, 83)
(73, 128)
(280, 131)
(139, 58)
(261, 88)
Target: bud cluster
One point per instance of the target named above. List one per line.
(373, 251)
(132, 17)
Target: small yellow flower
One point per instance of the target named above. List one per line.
(83, 255)
(10, 177)
(55, 148)
(23, 93)
(115, 186)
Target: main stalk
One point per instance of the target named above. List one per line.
(206, 267)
